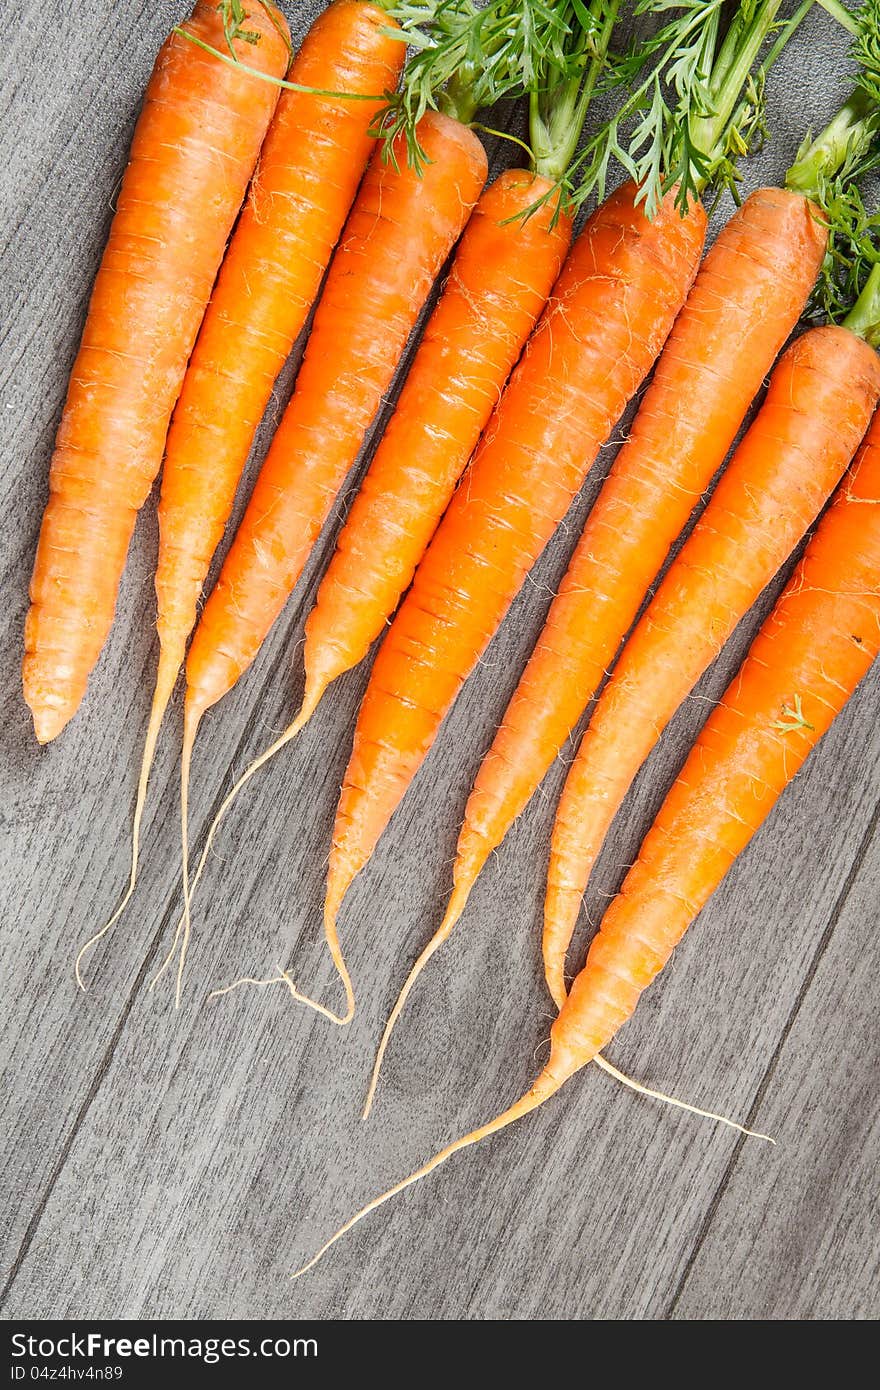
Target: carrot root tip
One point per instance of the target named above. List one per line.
(165, 680)
(50, 721)
(169, 959)
(641, 1090)
(545, 1086)
(454, 910)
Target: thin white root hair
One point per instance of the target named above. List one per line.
(166, 964)
(283, 978)
(543, 1088)
(161, 696)
(453, 913)
(620, 1076)
(108, 926)
(289, 733)
(180, 944)
(184, 926)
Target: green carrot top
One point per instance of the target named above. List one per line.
(848, 289)
(695, 98)
(467, 57)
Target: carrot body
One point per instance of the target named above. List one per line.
(399, 233)
(819, 404)
(499, 283)
(817, 644)
(194, 148)
(745, 301)
(607, 319)
(310, 166)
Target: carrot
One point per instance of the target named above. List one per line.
(504, 269)
(820, 401)
(194, 148)
(607, 319)
(744, 303)
(401, 228)
(310, 166)
(807, 660)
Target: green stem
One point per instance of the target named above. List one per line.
(785, 32)
(556, 117)
(842, 15)
(739, 53)
(848, 134)
(863, 318)
(457, 98)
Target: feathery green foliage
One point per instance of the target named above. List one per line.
(468, 56)
(695, 102)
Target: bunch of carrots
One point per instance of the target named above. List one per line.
(346, 178)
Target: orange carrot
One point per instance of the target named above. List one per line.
(194, 149)
(805, 663)
(310, 166)
(820, 401)
(502, 274)
(607, 319)
(745, 301)
(400, 231)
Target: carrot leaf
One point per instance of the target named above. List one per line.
(234, 17)
(560, 99)
(829, 169)
(793, 718)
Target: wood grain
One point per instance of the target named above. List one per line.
(181, 1164)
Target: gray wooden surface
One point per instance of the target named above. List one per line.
(181, 1164)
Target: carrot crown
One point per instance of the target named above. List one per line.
(864, 317)
(560, 94)
(838, 149)
(848, 290)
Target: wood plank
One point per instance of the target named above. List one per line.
(181, 1164)
(217, 1152)
(63, 152)
(765, 1253)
